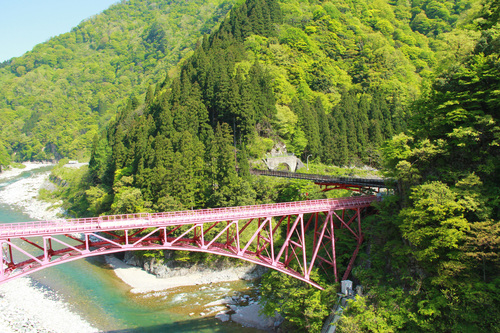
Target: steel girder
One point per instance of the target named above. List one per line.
(325, 187)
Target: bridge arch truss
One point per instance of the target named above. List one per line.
(292, 237)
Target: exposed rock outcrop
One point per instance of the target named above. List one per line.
(172, 268)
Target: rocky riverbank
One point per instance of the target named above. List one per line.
(23, 193)
(28, 166)
(25, 307)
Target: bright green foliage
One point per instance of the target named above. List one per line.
(388, 316)
(98, 199)
(435, 224)
(74, 183)
(490, 14)
(4, 156)
(431, 268)
(440, 241)
(462, 112)
(59, 94)
(436, 16)
(128, 200)
(303, 306)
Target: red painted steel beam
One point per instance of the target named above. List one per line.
(248, 233)
(341, 186)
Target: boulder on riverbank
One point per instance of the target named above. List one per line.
(220, 271)
(249, 316)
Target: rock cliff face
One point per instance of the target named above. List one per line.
(171, 268)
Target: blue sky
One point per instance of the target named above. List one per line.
(25, 23)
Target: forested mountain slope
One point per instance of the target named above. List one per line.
(360, 61)
(344, 72)
(331, 80)
(54, 99)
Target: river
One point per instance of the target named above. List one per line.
(93, 291)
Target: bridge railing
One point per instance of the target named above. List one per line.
(124, 217)
(254, 210)
(52, 226)
(178, 217)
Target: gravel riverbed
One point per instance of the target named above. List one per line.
(25, 307)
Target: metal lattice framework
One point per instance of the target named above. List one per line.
(290, 237)
(329, 183)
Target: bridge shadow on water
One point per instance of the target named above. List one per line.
(100, 260)
(202, 325)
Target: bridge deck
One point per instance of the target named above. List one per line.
(142, 220)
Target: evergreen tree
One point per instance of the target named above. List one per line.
(376, 121)
(4, 156)
(246, 117)
(222, 168)
(309, 124)
(326, 138)
(338, 128)
(149, 99)
(162, 167)
(397, 114)
(243, 164)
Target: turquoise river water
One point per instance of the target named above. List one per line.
(93, 291)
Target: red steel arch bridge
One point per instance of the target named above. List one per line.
(291, 237)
